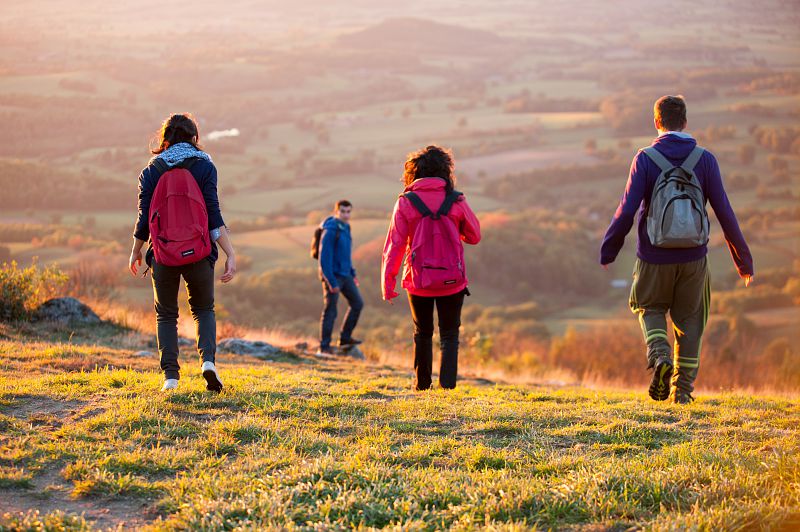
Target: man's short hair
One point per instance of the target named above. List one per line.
(342, 203)
(670, 112)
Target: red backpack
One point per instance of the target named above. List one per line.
(437, 255)
(178, 217)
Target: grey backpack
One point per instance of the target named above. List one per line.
(677, 216)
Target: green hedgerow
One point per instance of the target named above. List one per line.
(23, 289)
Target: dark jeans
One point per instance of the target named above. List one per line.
(199, 278)
(449, 310)
(351, 293)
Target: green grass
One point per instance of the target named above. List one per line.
(301, 443)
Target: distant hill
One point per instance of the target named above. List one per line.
(418, 34)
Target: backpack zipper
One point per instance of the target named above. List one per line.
(682, 196)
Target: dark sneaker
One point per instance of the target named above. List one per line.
(680, 397)
(662, 373)
(213, 382)
(349, 342)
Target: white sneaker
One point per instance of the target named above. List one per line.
(169, 384)
(211, 376)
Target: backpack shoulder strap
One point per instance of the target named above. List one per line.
(659, 159)
(448, 202)
(692, 160)
(417, 202)
(188, 163)
(159, 164)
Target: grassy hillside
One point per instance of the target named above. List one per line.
(87, 441)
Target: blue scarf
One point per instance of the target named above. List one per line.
(181, 151)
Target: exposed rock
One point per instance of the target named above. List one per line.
(352, 352)
(66, 310)
(301, 346)
(342, 352)
(185, 342)
(146, 354)
(239, 346)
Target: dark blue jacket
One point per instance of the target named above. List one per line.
(206, 175)
(335, 253)
(638, 190)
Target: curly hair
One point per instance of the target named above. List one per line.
(431, 161)
(177, 128)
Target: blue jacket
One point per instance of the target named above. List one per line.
(636, 197)
(206, 175)
(335, 253)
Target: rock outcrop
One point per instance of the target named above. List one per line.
(67, 310)
(239, 346)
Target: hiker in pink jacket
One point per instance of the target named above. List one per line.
(429, 222)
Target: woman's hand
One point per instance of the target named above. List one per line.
(136, 256)
(135, 261)
(230, 269)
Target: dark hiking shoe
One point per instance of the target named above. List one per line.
(213, 382)
(349, 342)
(680, 397)
(662, 373)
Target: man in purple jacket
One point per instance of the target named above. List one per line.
(673, 280)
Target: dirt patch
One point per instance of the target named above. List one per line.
(51, 492)
(49, 414)
(39, 407)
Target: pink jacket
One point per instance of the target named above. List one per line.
(404, 222)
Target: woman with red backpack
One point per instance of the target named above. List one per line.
(179, 214)
(429, 223)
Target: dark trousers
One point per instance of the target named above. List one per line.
(684, 291)
(351, 293)
(199, 278)
(449, 310)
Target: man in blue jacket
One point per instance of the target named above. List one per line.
(670, 279)
(338, 276)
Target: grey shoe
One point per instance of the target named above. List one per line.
(169, 384)
(325, 352)
(349, 342)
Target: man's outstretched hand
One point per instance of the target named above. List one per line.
(748, 279)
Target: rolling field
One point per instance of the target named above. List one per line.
(328, 103)
(543, 105)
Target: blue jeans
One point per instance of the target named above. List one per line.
(351, 293)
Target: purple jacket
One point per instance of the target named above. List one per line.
(637, 197)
